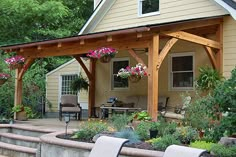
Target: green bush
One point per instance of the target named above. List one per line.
(186, 134)
(143, 115)
(165, 141)
(128, 134)
(119, 121)
(89, 129)
(202, 145)
(224, 151)
(143, 130)
(166, 128)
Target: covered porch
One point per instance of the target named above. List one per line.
(157, 39)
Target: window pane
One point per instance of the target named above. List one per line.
(120, 82)
(117, 65)
(149, 6)
(183, 79)
(66, 84)
(184, 63)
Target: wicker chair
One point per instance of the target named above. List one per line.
(70, 105)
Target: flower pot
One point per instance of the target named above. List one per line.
(134, 78)
(21, 116)
(153, 133)
(15, 66)
(2, 81)
(105, 59)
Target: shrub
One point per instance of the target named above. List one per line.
(167, 128)
(202, 145)
(224, 151)
(128, 134)
(186, 134)
(164, 142)
(143, 115)
(119, 121)
(142, 130)
(89, 130)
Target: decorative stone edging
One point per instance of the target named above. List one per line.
(131, 152)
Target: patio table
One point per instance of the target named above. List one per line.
(122, 109)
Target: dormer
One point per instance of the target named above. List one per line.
(148, 8)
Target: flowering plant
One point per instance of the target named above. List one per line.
(4, 76)
(15, 60)
(104, 51)
(138, 70)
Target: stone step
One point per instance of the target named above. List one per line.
(20, 140)
(12, 150)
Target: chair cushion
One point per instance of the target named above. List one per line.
(169, 114)
(70, 109)
(69, 99)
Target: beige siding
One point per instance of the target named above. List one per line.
(229, 45)
(124, 13)
(53, 80)
(103, 76)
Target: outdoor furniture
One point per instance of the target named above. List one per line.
(181, 114)
(162, 103)
(107, 147)
(182, 151)
(70, 105)
(118, 109)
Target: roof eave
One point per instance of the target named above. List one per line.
(227, 7)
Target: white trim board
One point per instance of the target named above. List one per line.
(227, 7)
(60, 67)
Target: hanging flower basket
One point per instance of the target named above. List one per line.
(134, 74)
(3, 78)
(134, 78)
(15, 62)
(105, 54)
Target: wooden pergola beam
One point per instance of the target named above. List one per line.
(92, 87)
(165, 51)
(28, 63)
(211, 55)
(194, 38)
(136, 57)
(89, 75)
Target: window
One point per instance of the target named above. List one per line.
(181, 71)
(66, 81)
(148, 7)
(118, 82)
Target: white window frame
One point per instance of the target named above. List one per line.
(170, 76)
(111, 75)
(147, 14)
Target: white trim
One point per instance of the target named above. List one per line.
(147, 14)
(111, 73)
(231, 10)
(60, 67)
(170, 88)
(97, 16)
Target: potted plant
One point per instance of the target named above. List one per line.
(154, 129)
(22, 112)
(3, 78)
(133, 73)
(15, 62)
(79, 84)
(104, 54)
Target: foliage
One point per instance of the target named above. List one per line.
(154, 125)
(79, 84)
(27, 109)
(167, 128)
(89, 129)
(143, 115)
(208, 78)
(104, 51)
(202, 145)
(164, 142)
(138, 70)
(119, 121)
(128, 134)
(142, 130)
(186, 134)
(4, 76)
(224, 151)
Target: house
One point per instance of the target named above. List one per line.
(172, 38)
(58, 83)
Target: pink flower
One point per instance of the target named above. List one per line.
(15, 60)
(102, 52)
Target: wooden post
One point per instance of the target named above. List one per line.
(18, 90)
(153, 78)
(91, 102)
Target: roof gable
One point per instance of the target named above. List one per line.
(229, 5)
(60, 67)
(122, 14)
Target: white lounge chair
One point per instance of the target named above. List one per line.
(107, 147)
(182, 151)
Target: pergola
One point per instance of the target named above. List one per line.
(195, 31)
